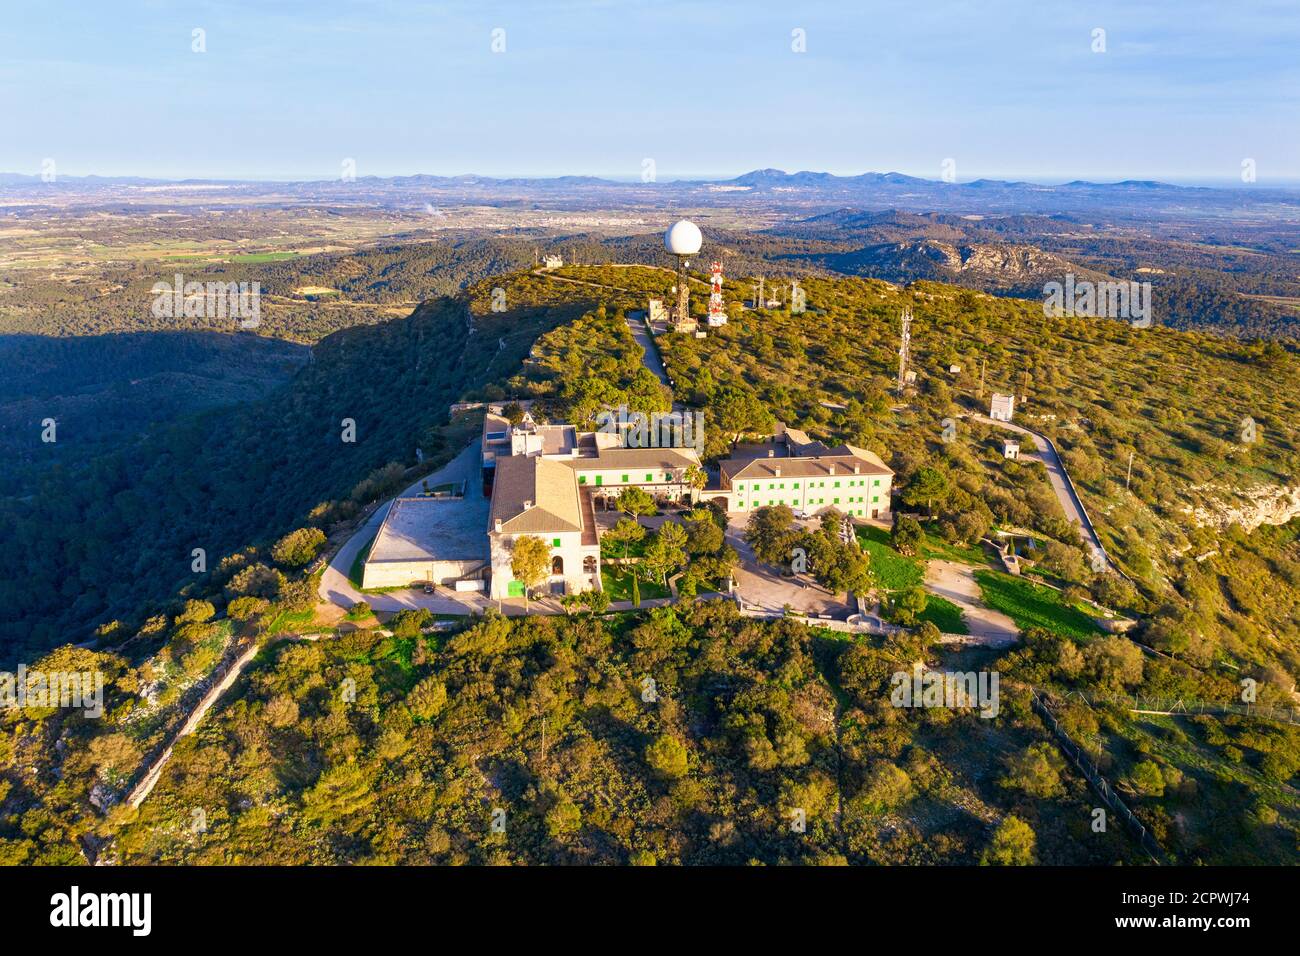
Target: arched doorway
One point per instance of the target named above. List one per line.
(557, 565)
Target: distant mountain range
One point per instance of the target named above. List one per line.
(801, 193)
(757, 179)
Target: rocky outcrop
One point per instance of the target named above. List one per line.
(1263, 504)
(997, 267)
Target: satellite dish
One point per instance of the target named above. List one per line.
(683, 238)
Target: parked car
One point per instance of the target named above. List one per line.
(428, 589)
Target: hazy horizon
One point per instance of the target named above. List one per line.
(271, 179)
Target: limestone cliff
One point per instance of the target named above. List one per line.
(1263, 504)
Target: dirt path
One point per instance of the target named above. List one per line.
(956, 582)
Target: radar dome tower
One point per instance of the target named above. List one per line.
(683, 240)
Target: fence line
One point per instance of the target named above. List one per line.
(1180, 707)
(1092, 773)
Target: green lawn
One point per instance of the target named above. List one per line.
(944, 615)
(612, 549)
(290, 621)
(1033, 605)
(264, 257)
(896, 572)
(618, 585)
(893, 571)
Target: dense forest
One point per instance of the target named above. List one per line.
(104, 391)
(99, 537)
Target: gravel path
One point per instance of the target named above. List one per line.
(957, 583)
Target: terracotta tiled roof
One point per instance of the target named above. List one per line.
(548, 487)
(655, 459)
(839, 463)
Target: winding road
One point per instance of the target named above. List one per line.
(1063, 486)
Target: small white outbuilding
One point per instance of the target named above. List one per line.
(1002, 408)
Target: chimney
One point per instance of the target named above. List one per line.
(857, 469)
(771, 453)
(528, 505)
(497, 527)
(777, 471)
(830, 469)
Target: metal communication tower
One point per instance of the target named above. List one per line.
(904, 351)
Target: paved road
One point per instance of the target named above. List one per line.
(761, 585)
(337, 589)
(1065, 494)
(651, 358)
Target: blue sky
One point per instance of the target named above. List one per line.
(1185, 90)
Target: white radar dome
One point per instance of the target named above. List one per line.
(683, 238)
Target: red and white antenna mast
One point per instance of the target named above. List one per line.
(717, 312)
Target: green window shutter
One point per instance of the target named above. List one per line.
(555, 542)
(582, 479)
(625, 479)
(600, 479)
(649, 478)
